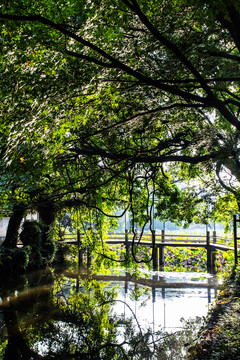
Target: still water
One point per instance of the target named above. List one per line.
(67, 314)
(166, 298)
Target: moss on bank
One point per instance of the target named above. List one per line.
(220, 340)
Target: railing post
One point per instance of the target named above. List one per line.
(235, 238)
(89, 258)
(154, 252)
(80, 251)
(163, 235)
(126, 241)
(161, 253)
(209, 253)
(161, 258)
(214, 237)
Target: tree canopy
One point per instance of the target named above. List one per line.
(109, 103)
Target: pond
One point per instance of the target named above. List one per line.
(69, 314)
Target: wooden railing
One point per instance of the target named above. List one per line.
(163, 238)
(173, 238)
(157, 242)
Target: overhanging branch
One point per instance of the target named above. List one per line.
(146, 159)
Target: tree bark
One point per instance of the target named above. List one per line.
(47, 214)
(13, 226)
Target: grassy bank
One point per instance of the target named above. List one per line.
(220, 339)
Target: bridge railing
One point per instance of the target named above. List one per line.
(157, 242)
(224, 240)
(180, 238)
(160, 238)
(168, 238)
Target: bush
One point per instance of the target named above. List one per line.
(220, 340)
(14, 261)
(42, 249)
(31, 233)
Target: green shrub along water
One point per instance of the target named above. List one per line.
(34, 252)
(14, 261)
(220, 338)
(194, 259)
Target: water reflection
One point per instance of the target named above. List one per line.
(64, 314)
(161, 300)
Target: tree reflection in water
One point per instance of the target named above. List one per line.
(62, 318)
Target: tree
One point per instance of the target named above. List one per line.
(139, 85)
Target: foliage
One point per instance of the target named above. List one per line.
(195, 259)
(40, 253)
(109, 106)
(178, 259)
(19, 257)
(31, 233)
(220, 339)
(135, 95)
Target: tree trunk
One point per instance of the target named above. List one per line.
(47, 214)
(13, 226)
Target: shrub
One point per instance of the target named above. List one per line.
(14, 261)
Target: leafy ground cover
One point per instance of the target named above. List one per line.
(220, 339)
(194, 259)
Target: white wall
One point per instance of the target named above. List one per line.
(4, 224)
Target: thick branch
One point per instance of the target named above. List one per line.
(222, 183)
(89, 59)
(231, 25)
(147, 159)
(225, 55)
